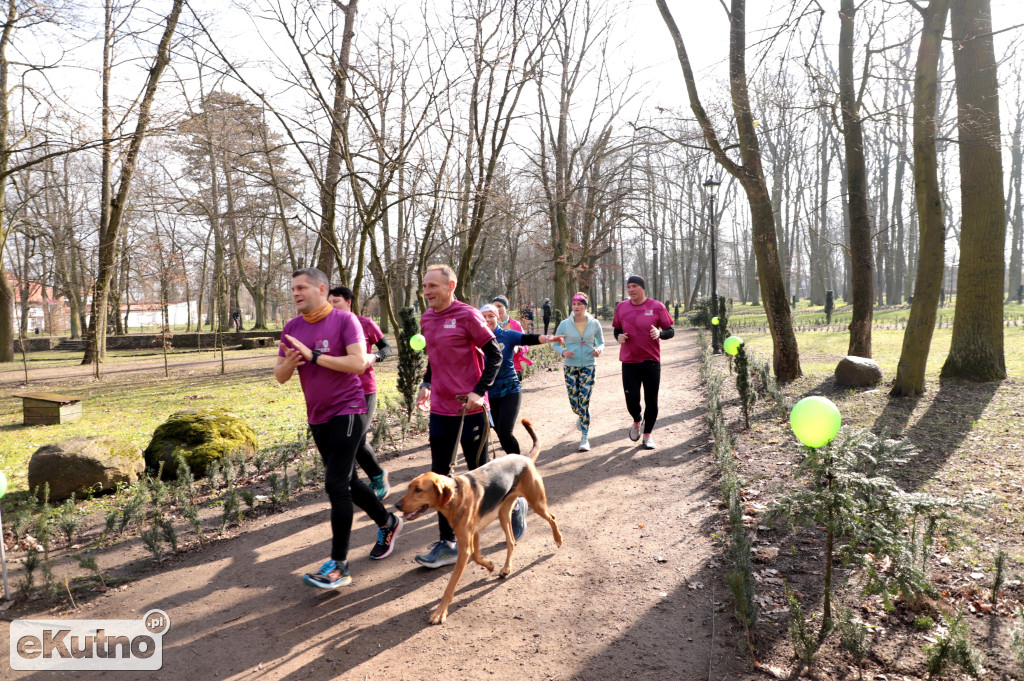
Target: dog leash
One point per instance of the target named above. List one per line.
(485, 440)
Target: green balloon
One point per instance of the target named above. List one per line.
(716, 321)
(3, 484)
(815, 420)
(732, 344)
(418, 342)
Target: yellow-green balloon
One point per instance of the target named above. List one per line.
(732, 344)
(715, 321)
(815, 420)
(3, 485)
(418, 342)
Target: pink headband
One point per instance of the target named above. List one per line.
(580, 299)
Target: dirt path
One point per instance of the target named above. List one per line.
(630, 595)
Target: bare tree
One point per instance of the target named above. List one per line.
(918, 337)
(115, 208)
(786, 354)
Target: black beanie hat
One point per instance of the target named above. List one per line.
(500, 299)
(638, 280)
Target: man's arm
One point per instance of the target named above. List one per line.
(354, 362)
(287, 364)
(492, 362)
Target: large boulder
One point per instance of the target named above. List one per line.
(84, 464)
(858, 372)
(201, 436)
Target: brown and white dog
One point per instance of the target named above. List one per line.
(471, 502)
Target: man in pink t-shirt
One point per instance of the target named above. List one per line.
(328, 349)
(463, 359)
(640, 324)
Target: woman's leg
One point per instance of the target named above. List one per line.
(505, 411)
(586, 388)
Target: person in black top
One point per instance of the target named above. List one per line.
(546, 309)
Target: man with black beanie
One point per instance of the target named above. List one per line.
(640, 324)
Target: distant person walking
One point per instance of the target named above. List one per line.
(328, 349)
(463, 360)
(546, 310)
(640, 324)
(340, 297)
(583, 343)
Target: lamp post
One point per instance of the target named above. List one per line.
(711, 188)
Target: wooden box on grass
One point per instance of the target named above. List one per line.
(47, 409)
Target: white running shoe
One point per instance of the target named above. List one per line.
(648, 441)
(584, 443)
(634, 431)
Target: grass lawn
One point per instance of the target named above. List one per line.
(131, 404)
(968, 434)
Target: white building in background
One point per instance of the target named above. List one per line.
(144, 314)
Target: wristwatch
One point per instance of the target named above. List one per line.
(316, 353)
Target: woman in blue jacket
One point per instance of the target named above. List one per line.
(584, 342)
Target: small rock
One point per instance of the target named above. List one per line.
(977, 575)
(661, 559)
(858, 372)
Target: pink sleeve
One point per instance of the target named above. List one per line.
(373, 332)
(616, 322)
(352, 332)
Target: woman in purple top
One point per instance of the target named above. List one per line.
(328, 349)
(640, 324)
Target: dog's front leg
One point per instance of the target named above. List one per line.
(505, 515)
(441, 614)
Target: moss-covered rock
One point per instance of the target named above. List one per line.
(202, 436)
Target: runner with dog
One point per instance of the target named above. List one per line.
(463, 361)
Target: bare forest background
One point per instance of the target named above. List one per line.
(872, 150)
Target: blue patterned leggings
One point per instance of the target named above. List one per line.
(579, 383)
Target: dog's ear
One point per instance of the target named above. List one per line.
(444, 492)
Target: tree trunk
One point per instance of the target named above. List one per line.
(329, 254)
(1016, 206)
(976, 351)
(118, 204)
(917, 339)
(786, 354)
(861, 264)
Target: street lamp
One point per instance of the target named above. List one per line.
(711, 188)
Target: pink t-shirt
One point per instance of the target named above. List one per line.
(636, 321)
(328, 393)
(454, 337)
(373, 334)
(520, 355)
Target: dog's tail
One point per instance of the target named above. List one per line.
(535, 451)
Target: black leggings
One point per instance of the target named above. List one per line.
(365, 456)
(443, 431)
(337, 441)
(648, 375)
(505, 411)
